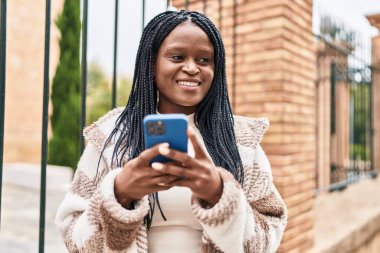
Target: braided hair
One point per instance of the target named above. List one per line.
(213, 116)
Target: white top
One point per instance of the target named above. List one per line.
(181, 232)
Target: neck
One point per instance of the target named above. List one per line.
(170, 109)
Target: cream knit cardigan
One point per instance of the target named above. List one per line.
(251, 218)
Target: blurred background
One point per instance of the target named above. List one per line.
(311, 66)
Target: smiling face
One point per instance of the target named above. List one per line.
(184, 69)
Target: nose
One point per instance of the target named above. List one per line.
(190, 67)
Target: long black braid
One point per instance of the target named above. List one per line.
(213, 116)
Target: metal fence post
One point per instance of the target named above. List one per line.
(45, 120)
(114, 78)
(332, 99)
(3, 47)
(84, 73)
(143, 16)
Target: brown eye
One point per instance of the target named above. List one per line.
(177, 57)
(203, 60)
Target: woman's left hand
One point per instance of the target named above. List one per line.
(198, 173)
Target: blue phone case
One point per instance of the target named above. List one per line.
(170, 128)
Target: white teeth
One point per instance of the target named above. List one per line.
(188, 84)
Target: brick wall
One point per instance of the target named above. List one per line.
(332, 147)
(275, 77)
(323, 117)
(24, 77)
(375, 21)
(376, 98)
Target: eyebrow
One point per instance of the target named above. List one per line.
(179, 48)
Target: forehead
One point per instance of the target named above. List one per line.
(188, 34)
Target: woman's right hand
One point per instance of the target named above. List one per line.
(138, 179)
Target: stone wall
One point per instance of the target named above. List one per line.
(275, 78)
(24, 77)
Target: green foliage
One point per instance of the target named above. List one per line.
(65, 97)
(99, 96)
(360, 151)
(361, 117)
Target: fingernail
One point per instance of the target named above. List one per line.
(157, 166)
(162, 184)
(165, 144)
(163, 150)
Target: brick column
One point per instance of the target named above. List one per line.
(375, 21)
(376, 98)
(323, 116)
(332, 146)
(275, 77)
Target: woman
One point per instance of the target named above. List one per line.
(217, 198)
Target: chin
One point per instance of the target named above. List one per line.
(196, 103)
(188, 102)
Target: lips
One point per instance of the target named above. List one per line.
(189, 83)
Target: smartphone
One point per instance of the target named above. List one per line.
(170, 128)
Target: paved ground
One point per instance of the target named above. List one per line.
(20, 212)
(337, 215)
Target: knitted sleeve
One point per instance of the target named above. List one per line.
(89, 218)
(246, 219)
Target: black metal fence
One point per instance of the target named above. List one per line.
(344, 66)
(360, 151)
